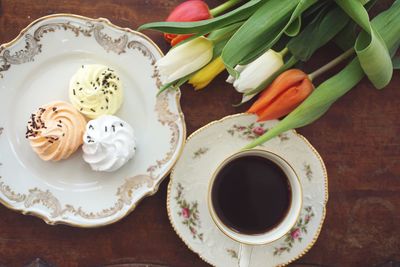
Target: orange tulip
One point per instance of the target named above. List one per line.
(285, 93)
(192, 10)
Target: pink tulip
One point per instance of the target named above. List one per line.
(192, 10)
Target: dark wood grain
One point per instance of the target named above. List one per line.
(358, 139)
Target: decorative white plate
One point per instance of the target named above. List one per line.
(187, 192)
(35, 69)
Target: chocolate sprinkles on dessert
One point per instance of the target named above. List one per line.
(35, 124)
(102, 81)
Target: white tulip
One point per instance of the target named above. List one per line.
(254, 73)
(185, 59)
(239, 69)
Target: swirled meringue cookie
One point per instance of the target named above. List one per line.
(55, 131)
(108, 143)
(96, 90)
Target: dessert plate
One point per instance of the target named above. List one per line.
(35, 69)
(205, 149)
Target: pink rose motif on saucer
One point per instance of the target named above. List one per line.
(252, 131)
(249, 132)
(189, 213)
(185, 213)
(295, 233)
(258, 130)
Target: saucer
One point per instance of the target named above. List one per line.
(187, 191)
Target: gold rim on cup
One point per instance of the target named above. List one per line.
(211, 210)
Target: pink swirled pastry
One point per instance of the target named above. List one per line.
(56, 130)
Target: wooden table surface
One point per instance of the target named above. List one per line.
(358, 139)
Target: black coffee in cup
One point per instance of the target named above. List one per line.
(251, 195)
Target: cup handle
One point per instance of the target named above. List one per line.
(244, 256)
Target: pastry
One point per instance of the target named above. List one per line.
(96, 90)
(55, 131)
(109, 143)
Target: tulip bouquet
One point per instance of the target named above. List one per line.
(260, 41)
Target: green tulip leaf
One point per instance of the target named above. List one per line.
(224, 33)
(317, 33)
(165, 87)
(262, 47)
(205, 26)
(346, 38)
(387, 24)
(326, 24)
(371, 50)
(218, 47)
(316, 8)
(217, 36)
(396, 63)
(175, 84)
(254, 37)
(294, 28)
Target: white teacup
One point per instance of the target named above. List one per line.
(247, 241)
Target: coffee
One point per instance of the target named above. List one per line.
(251, 195)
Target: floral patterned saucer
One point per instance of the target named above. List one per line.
(187, 191)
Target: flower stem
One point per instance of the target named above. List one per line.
(331, 64)
(221, 8)
(283, 52)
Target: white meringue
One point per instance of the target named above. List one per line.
(108, 143)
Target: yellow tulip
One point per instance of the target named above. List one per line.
(204, 76)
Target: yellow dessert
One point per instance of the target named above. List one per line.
(96, 90)
(56, 131)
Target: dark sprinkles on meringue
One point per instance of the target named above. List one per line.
(96, 90)
(109, 143)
